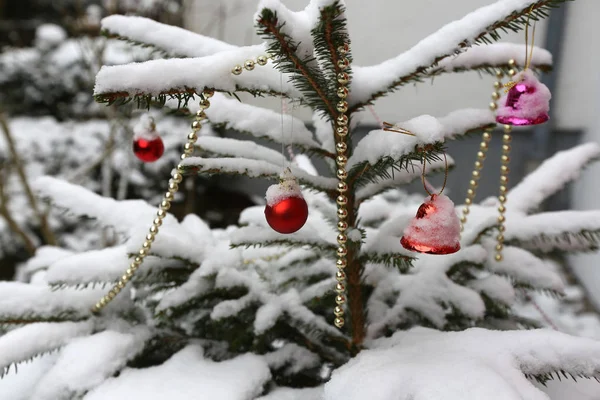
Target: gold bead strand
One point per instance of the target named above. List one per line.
(475, 175)
(504, 170)
(481, 154)
(164, 206)
(341, 131)
(249, 64)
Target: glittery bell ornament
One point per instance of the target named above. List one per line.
(147, 144)
(286, 210)
(526, 102)
(435, 229)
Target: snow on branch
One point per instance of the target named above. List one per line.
(492, 57)
(379, 144)
(83, 202)
(235, 148)
(525, 268)
(87, 361)
(23, 303)
(221, 257)
(428, 290)
(256, 235)
(254, 169)
(551, 176)
(480, 26)
(261, 123)
(173, 40)
(190, 76)
(561, 230)
(27, 342)
(429, 365)
(132, 219)
(101, 266)
(191, 371)
(289, 39)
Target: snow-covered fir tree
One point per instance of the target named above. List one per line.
(246, 313)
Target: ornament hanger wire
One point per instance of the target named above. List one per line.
(529, 54)
(282, 123)
(528, 49)
(393, 128)
(445, 176)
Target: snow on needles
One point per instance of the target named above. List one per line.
(367, 81)
(30, 340)
(471, 365)
(187, 375)
(161, 76)
(79, 201)
(494, 54)
(259, 122)
(427, 129)
(256, 169)
(86, 362)
(172, 39)
(18, 300)
(551, 176)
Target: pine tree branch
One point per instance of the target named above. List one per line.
(182, 96)
(401, 262)
(262, 237)
(582, 241)
(363, 173)
(305, 149)
(514, 21)
(400, 177)
(146, 33)
(254, 169)
(32, 318)
(382, 150)
(552, 176)
(490, 58)
(305, 77)
(121, 84)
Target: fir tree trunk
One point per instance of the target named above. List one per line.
(354, 285)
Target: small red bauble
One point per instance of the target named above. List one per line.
(148, 150)
(286, 210)
(435, 229)
(287, 215)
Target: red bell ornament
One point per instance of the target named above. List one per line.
(147, 144)
(435, 229)
(527, 101)
(286, 210)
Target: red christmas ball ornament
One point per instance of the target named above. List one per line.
(288, 215)
(435, 229)
(147, 144)
(148, 150)
(286, 210)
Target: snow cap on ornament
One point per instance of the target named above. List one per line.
(526, 102)
(147, 143)
(286, 210)
(435, 229)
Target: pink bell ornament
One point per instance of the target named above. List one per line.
(435, 229)
(526, 102)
